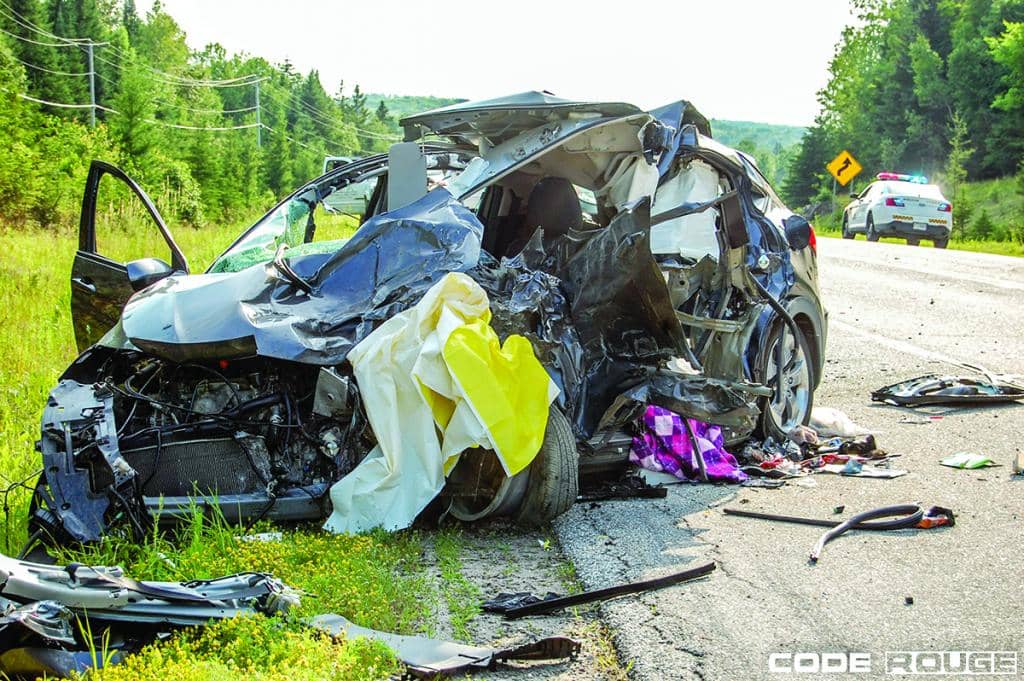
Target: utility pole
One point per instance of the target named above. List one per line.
(259, 123)
(92, 88)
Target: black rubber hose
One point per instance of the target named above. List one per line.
(911, 516)
(877, 526)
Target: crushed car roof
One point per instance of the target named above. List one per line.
(504, 117)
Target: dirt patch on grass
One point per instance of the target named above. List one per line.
(496, 557)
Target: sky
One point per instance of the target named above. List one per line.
(750, 60)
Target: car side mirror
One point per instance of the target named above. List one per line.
(147, 271)
(854, 195)
(798, 231)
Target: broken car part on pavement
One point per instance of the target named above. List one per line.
(955, 390)
(543, 606)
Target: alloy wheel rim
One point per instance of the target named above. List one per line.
(788, 407)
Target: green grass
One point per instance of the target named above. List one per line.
(376, 580)
(461, 596)
(1000, 197)
(1011, 248)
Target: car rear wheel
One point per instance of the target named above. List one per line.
(941, 243)
(791, 406)
(872, 234)
(847, 234)
(913, 242)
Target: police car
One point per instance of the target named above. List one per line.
(898, 205)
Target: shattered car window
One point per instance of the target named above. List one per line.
(293, 224)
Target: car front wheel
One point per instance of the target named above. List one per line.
(554, 474)
(793, 398)
(872, 234)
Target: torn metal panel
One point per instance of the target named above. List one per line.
(429, 658)
(937, 389)
(47, 635)
(621, 309)
(106, 594)
(706, 399)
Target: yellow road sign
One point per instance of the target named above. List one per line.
(844, 167)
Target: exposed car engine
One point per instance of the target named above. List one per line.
(263, 430)
(240, 428)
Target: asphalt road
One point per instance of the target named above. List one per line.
(896, 312)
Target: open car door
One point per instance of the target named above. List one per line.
(100, 285)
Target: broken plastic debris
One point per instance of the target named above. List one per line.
(430, 658)
(967, 460)
(829, 422)
(38, 638)
(865, 471)
(936, 389)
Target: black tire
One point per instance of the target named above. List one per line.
(941, 243)
(554, 474)
(872, 234)
(913, 242)
(767, 425)
(847, 234)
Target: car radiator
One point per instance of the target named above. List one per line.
(214, 466)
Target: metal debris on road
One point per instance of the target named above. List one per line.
(545, 606)
(958, 390)
(429, 658)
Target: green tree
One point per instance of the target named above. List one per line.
(956, 172)
(133, 128)
(1008, 51)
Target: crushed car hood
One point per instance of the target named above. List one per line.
(385, 267)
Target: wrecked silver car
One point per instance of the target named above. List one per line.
(686, 283)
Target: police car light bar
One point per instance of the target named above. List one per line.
(917, 179)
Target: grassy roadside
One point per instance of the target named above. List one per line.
(376, 580)
(1011, 248)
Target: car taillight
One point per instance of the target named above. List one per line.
(894, 201)
(813, 240)
(945, 207)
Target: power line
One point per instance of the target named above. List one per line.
(325, 119)
(200, 110)
(60, 105)
(173, 79)
(56, 73)
(9, 12)
(166, 124)
(289, 138)
(36, 42)
(246, 126)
